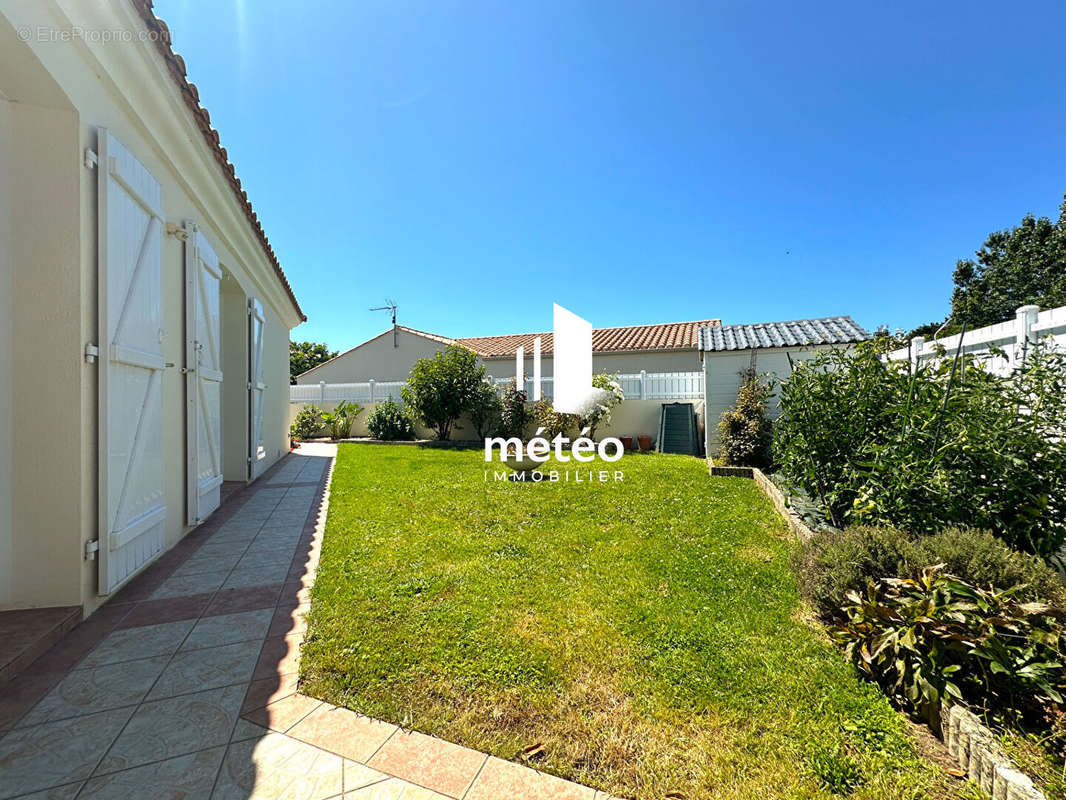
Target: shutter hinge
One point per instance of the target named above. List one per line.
(90, 159)
(91, 547)
(92, 352)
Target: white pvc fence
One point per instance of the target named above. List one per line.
(637, 386)
(1013, 337)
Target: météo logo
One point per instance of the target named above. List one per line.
(573, 394)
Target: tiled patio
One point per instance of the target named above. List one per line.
(184, 684)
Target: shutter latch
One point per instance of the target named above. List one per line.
(90, 159)
(91, 547)
(92, 352)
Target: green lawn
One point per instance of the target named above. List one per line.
(648, 634)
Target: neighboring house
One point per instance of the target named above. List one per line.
(727, 351)
(144, 318)
(665, 347)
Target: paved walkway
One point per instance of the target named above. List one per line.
(184, 684)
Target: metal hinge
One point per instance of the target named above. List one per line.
(92, 352)
(90, 158)
(91, 547)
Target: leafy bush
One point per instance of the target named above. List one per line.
(307, 425)
(600, 413)
(515, 414)
(835, 562)
(554, 423)
(389, 420)
(339, 422)
(744, 431)
(440, 389)
(485, 410)
(950, 445)
(938, 637)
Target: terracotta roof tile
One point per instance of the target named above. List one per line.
(664, 336)
(188, 90)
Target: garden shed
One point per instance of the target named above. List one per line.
(145, 318)
(727, 352)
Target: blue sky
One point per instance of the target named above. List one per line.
(635, 162)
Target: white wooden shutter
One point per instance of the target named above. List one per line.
(203, 377)
(132, 508)
(256, 449)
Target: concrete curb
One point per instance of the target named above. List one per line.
(978, 753)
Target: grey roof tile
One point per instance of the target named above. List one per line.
(794, 333)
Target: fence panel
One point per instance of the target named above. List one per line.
(635, 386)
(1013, 337)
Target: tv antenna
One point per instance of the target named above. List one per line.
(390, 305)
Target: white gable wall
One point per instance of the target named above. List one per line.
(376, 360)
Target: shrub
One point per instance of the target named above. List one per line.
(553, 423)
(389, 420)
(744, 431)
(307, 425)
(339, 422)
(938, 637)
(949, 445)
(515, 414)
(600, 414)
(440, 389)
(834, 563)
(485, 410)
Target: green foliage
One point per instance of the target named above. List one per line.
(950, 445)
(1024, 264)
(515, 415)
(389, 420)
(305, 355)
(836, 562)
(441, 388)
(485, 410)
(307, 425)
(600, 413)
(744, 431)
(339, 422)
(554, 423)
(937, 637)
(833, 767)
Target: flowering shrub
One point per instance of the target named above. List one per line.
(390, 420)
(744, 431)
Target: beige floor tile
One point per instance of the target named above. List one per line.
(189, 777)
(283, 714)
(439, 765)
(342, 731)
(196, 670)
(395, 789)
(505, 780)
(56, 753)
(128, 644)
(268, 690)
(229, 629)
(165, 729)
(276, 767)
(86, 691)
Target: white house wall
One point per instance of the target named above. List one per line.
(6, 330)
(722, 379)
(127, 89)
(375, 360)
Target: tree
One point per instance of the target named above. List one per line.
(441, 388)
(1025, 264)
(306, 355)
(486, 410)
(744, 432)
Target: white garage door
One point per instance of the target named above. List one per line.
(203, 377)
(130, 377)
